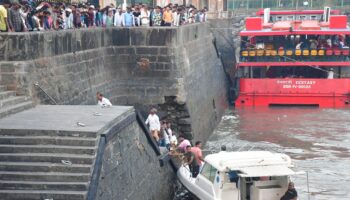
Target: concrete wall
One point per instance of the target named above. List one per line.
(130, 66)
(131, 170)
(226, 33)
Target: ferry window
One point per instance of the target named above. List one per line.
(290, 18)
(209, 172)
(313, 17)
(302, 17)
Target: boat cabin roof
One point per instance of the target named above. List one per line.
(252, 163)
(296, 23)
(260, 12)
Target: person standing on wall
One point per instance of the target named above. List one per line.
(128, 18)
(145, 16)
(4, 6)
(191, 161)
(154, 124)
(198, 153)
(15, 21)
(167, 17)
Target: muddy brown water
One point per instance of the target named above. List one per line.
(318, 140)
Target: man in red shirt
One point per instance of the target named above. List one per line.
(197, 151)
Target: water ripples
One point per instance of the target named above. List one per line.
(317, 139)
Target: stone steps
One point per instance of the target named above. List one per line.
(42, 195)
(10, 103)
(47, 140)
(46, 157)
(4, 148)
(52, 133)
(44, 164)
(34, 185)
(15, 108)
(44, 167)
(2, 88)
(6, 94)
(44, 176)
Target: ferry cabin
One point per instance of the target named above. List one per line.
(294, 57)
(254, 175)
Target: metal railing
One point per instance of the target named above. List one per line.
(292, 55)
(245, 5)
(53, 101)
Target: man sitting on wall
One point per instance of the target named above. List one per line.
(102, 101)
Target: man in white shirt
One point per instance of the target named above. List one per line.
(118, 18)
(102, 101)
(154, 124)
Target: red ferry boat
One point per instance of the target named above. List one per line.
(294, 58)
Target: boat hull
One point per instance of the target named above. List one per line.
(189, 183)
(294, 91)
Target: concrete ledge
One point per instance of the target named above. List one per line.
(65, 118)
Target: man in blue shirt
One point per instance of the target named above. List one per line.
(128, 18)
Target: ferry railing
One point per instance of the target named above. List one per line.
(292, 55)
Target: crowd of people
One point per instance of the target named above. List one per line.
(26, 15)
(297, 42)
(178, 146)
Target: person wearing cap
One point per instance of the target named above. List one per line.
(68, 19)
(330, 74)
(3, 15)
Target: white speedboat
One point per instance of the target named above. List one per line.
(250, 175)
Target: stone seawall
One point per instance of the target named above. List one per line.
(166, 67)
(226, 32)
(131, 170)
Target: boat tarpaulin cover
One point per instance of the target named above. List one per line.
(258, 171)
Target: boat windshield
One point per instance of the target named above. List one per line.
(209, 172)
